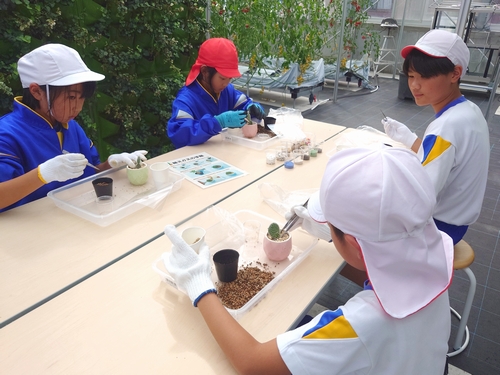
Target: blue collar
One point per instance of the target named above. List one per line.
(451, 104)
(367, 285)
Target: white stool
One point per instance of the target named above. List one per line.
(464, 256)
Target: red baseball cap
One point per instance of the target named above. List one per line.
(442, 43)
(218, 53)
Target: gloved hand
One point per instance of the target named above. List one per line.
(307, 223)
(190, 271)
(399, 132)
(231, 119)
(117, 160)
(62, 168)
(256, 111)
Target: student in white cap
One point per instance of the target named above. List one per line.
(455, 147)
(34, 135)
(378, 205)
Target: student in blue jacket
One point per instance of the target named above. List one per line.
(41, 126)
(208, 102)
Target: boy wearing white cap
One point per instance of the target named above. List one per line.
(399, 324)
(455, 147)
(34, 135)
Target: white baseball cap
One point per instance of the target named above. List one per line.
(442, 43)
(385, 199)
(55, 65)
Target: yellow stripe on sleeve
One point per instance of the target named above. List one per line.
(439, 147)
(339, 328)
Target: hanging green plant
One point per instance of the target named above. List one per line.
(297, 32)
(356, 30)
(287, 29)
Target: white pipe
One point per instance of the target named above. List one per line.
(341, 46)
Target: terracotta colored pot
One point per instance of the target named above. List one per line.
(250, 130)
(138, 176)
(277, 250)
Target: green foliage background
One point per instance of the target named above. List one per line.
(144, 48)
(294, 30)
(297, 31)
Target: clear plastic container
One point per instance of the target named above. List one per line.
(79, 197)
(218, 238)
(258, 143)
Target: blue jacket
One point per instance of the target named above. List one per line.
(27, 140)
(193, 112)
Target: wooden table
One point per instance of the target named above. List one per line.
(46, 250)
(125, 320)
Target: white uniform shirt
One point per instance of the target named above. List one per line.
(455, 152)
(360, 338)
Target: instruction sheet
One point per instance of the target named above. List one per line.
(205, 170)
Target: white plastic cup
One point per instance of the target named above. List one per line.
(271, 156)
(194, 237)
(297, 157)
(161, 174)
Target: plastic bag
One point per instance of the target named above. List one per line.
(365, 136)
(282, 201)
(288, 124)
(231, 226)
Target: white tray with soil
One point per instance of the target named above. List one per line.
(222, 236)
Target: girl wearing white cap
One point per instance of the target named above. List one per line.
(208, 102)
(399, 324)
(55, 83)
(455, 147)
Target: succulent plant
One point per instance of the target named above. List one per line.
(248, 119)
(138, 163)
(274, 231)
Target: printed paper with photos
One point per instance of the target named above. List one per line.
(205, 170)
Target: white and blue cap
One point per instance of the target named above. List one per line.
(385, 199)
(55, 65)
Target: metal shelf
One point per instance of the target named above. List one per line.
(482, 40)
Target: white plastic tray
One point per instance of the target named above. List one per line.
(79, 197)
(217, 238)
(236, 136)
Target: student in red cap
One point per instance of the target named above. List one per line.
(399, 324)
(455, 147)
(208, 102)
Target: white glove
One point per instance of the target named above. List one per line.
(62, 168)
(307, 223)
(399, 132)
(117, 160)
(191, 272)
